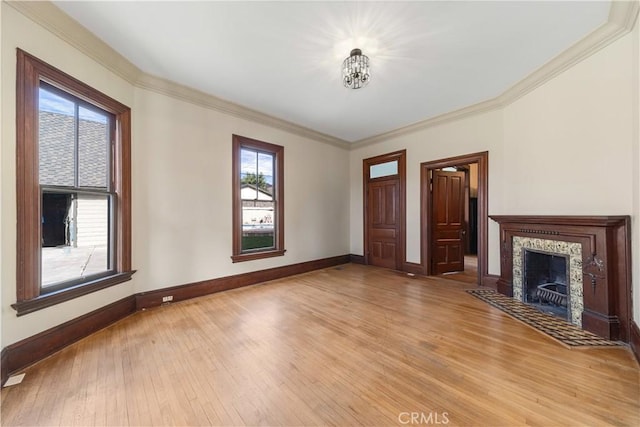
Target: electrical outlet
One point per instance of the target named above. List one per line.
(168, 298)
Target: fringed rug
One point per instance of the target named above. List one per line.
(553, 326)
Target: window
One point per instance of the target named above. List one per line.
(258, 207)
(73, 187)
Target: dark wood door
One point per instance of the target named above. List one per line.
(448, 221)
(383, 222)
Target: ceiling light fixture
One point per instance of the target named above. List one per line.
(355, 70)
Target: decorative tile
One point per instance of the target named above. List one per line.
(552, 247)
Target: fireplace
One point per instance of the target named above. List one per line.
(577, 268)
(545, 284)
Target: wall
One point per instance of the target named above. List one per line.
(482, 132)
(2, 205)
(563, 149)
(17, 31)
(182, 183)
(575, 137)
(635, 221)
(181, 186)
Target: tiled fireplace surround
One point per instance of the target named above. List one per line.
(599, 256)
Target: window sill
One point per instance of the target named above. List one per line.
(257, 255)
(53, 298)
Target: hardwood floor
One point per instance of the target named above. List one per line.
(342, 346)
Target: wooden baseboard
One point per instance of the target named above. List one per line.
(197, 289)
(490, 281)
(23, 353)
(634, 340)
(413, 268)
(4, 369)
(19, 355)
(357, 259)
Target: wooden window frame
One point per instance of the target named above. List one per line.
(29, 297)
(277, 151)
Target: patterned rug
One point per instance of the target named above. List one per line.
(553, 326)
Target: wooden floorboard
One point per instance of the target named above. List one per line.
(346, 345)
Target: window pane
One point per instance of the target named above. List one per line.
(56, 139)
(257, 224)
(248, 163)
(383, 169)
(75, 236)
(265, 174)
(258, 211)
(93, 144)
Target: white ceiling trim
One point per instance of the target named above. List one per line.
(47, 15)
(622, 17)
(50, 17)
(187, 94)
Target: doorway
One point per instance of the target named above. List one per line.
(384, 180)
(447, 211)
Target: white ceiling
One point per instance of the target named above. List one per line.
(284, 58)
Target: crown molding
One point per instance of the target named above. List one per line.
(194, 96)
(621, 20)
(50, 17)
(472, 110)
(622, 16)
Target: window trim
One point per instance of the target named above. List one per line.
(277, 151)
(30, 71)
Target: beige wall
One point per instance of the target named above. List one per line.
(2, 205)
(19, 31)
(181, 207)
(182, 189)
(565, 148)
(482, 132)
(635, 222)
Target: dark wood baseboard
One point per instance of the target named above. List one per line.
(30, 350)
(197, 289)
(4, 369)
(605, 326)
(357, 259)
(634, 340)
(23, 353)
(490, 281)
(413, 268)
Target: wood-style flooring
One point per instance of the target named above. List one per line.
(350, 345)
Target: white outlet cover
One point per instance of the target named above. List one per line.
(16, 379)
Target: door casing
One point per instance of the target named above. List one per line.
(426, 208)
(400, 156)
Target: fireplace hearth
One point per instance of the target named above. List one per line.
(575, 267)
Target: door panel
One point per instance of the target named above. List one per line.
(448, 221)
(383, 225)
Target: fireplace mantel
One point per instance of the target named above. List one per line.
(606, 263)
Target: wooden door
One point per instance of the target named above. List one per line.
(448, 221)
(384, 179)
(383, 222)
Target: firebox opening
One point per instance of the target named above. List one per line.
(545, 283)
